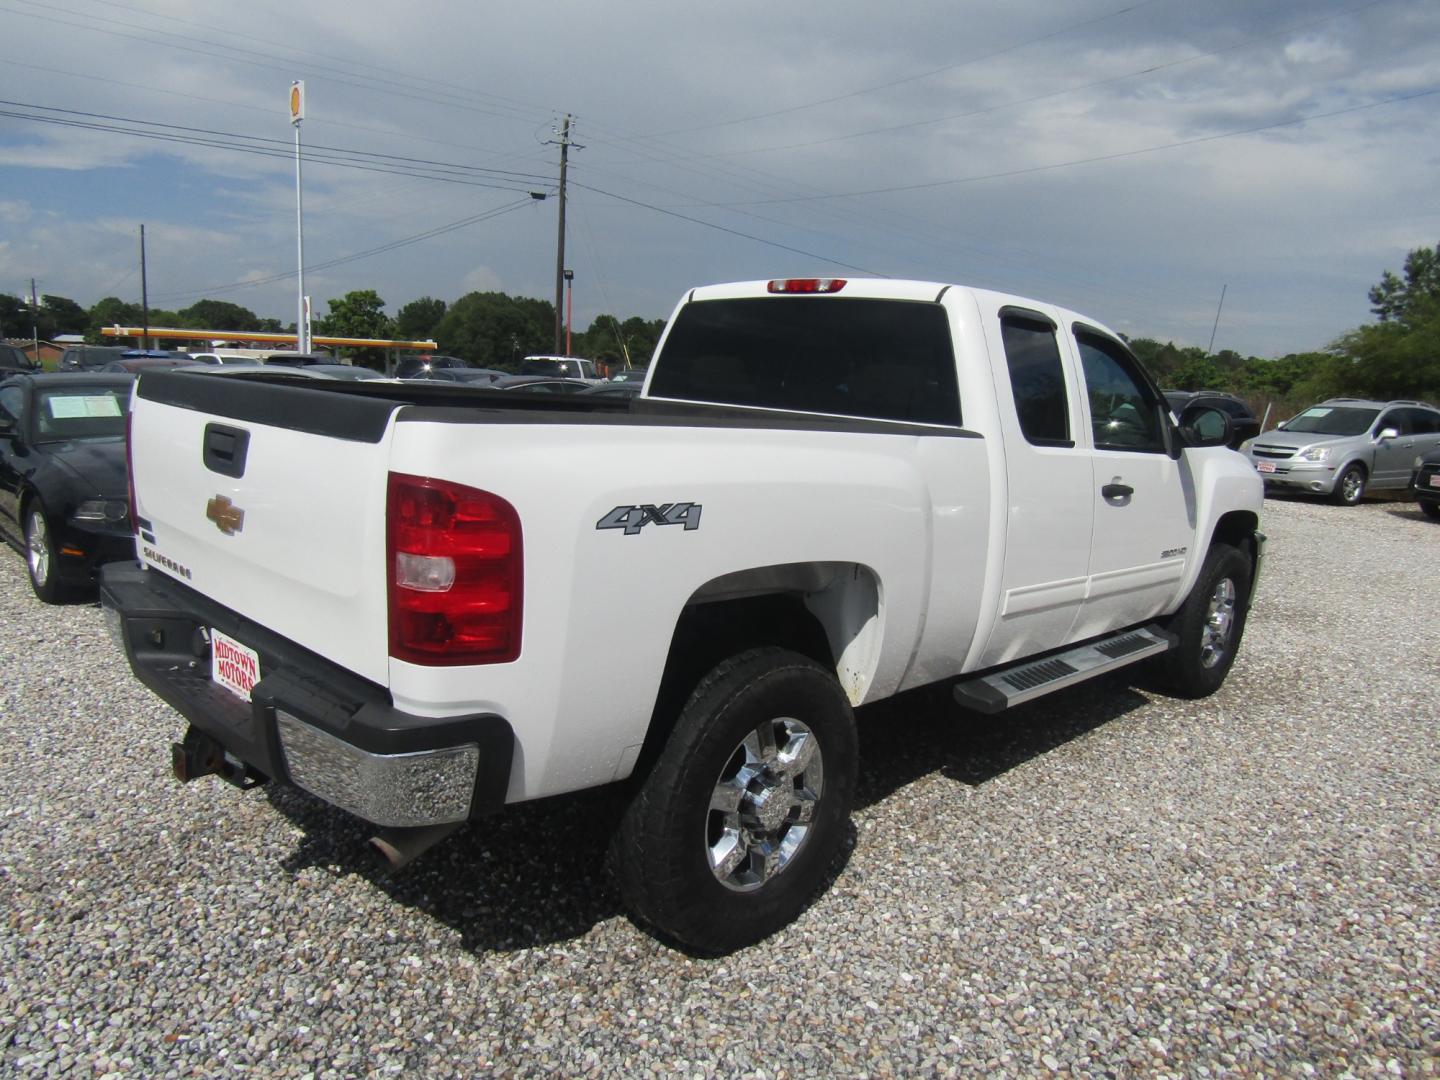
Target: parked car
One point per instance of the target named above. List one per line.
(624, 390)
(1243, 424)
(1425, 483)
(90, 357)
(13, 359)
(471, 376)
(63, 497)
(134, 365)
(296, 359)
(560, 367)
(224, 358)
(411, 367)
(1345, 447)
(539, 384)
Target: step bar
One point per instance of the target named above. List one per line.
(1003, 689)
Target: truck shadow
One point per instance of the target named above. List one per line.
(535, 874)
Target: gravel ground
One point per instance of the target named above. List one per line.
(1103, 883)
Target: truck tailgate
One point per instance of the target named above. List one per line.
(270, 500)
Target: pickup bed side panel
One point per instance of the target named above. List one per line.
(601, 603)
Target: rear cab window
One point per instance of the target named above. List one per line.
(875, 359)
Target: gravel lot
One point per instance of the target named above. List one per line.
(1103, 883)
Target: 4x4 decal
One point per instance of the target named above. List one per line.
(634, 518)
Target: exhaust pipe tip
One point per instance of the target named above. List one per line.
(397, 848)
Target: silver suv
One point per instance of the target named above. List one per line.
(1346, 446)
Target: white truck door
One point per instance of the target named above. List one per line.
(1049, 507)
(1143, 499)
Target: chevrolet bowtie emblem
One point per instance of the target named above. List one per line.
(228, 517)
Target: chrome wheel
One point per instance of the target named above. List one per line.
(1219, 621)
(763, 804)
(37, 545)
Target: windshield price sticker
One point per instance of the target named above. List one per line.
(75, 407)
(234, 665)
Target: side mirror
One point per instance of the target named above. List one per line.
(1388, 433)
(1203, 425)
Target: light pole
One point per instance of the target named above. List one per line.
(297, 114)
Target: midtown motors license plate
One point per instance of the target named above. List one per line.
(1265, 466)
(234, 665)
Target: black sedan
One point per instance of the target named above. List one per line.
(1425, 483)
(63, 493)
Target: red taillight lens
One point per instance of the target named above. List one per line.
(130, 475)
(807, 285)
(456, 573)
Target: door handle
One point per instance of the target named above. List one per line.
(1117, 492)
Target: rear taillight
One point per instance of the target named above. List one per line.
(792, 286)
(130, 473)
(456, 573)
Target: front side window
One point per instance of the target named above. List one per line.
(876, 359)
(1122, 413)
(1037, 379)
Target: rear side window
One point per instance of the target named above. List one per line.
(878, 359)
(1036, 378)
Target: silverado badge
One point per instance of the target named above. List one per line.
(228, 517)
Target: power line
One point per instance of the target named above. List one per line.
(1097, 158)
(341, 260)
(1140, 72)
(909, 78)
(725, 229)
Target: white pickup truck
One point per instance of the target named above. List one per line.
(423, 602)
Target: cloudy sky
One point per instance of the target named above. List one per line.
(1127, 158)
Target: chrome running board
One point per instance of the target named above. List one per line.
(1002, 689)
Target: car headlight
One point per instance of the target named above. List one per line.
(101, 510)
(1315, 453)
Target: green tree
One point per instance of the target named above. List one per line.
(1391, 359)
(495, 330)
(358, 314)
(63, 315)
(218, 315)
(1396, 300)
(14, 316)
(111, 311)
(417, 320)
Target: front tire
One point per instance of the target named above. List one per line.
(735, 827)
(1209, 625)
(1430, 509)
(40, 556)
(1349, 486)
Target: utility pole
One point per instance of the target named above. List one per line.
(144, 296)
(34, 325)
(565, 145)
(1210, 349)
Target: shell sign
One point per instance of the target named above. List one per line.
(297, 101)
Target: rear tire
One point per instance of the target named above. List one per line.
(1209, 625)
(41, 558)
(736, 826)
(1430, 509)
(1349, 486)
